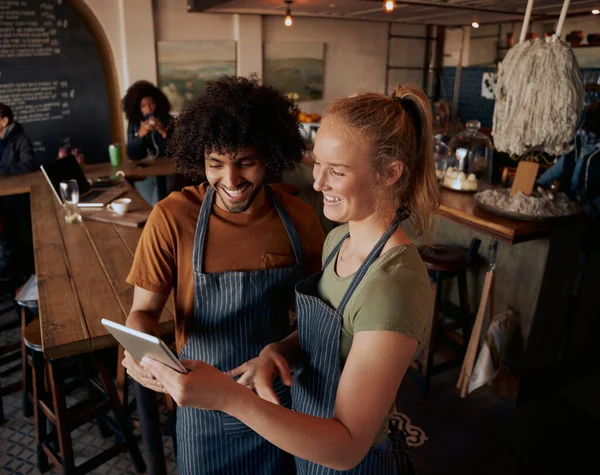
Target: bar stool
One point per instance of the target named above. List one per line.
(49, 406)
(443, 263)
(15, 350)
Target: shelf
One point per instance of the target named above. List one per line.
(503, 48)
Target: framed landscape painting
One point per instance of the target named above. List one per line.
(185, 66)
(296, 69)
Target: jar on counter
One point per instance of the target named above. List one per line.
(470, 155)
(440, 156)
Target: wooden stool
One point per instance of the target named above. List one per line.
(8, 353)
(443, 263)
(49, 405)
(15, 350)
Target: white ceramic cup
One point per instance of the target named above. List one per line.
(120, 206)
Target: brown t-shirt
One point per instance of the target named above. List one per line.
(234, 242)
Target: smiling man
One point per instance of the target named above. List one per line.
(233, 250)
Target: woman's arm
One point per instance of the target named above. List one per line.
(136, 149)
(368, 385)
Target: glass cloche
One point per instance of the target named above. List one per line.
(440, 156)
(469, 160)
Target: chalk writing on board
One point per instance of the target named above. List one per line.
(38, 101)
(26, 32)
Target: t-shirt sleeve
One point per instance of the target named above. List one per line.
(399, 302)
(154, 262)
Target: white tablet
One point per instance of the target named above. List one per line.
(140, 344)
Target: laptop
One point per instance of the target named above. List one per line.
(68, 169)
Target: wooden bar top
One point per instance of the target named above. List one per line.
(461, 208)
(81, 268)
(81, 271)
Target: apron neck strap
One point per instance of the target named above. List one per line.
(401, 215)
(290, 228)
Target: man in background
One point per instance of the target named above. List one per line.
(16, 243)
(16, 152)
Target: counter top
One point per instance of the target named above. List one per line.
(461, 207)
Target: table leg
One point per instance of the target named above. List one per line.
(147, 406)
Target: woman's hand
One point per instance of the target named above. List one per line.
(160, 128)
(258, 373)
(204, 386)
(145, 129)
(142, 376)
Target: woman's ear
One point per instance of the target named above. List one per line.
(393, 172)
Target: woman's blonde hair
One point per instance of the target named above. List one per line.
(399, 128)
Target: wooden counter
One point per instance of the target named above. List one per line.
(81, 268)
(461, 208)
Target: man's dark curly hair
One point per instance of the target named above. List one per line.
(136, 92)
(233, 113)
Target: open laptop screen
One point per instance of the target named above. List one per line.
(66, 169)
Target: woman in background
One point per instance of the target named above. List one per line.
(147, 110)
(363, 318)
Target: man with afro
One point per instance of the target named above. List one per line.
(233, 249)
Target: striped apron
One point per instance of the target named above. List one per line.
(236, 314)
(317, 377)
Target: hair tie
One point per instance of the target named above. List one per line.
(412, 109)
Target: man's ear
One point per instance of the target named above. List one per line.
(393, 172)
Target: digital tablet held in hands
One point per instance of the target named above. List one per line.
(140, 344)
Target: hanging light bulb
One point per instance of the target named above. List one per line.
(389, 5)
(595, 12)
(288, 21)
(475, 24)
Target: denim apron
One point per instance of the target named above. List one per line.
(235, 315)
(317, 377)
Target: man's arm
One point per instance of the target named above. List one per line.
(25, 159)
(553, 173)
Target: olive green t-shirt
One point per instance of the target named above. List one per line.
(394, 295)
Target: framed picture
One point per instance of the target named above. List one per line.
(295, 69)
(184, 67)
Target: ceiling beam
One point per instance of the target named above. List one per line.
(452, 6)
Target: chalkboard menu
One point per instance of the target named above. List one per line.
(51, 77)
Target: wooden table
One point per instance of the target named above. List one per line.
(81, 271)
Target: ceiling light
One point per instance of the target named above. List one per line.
(288, 21)
(595, 12)
(389, 5)
(475, 24)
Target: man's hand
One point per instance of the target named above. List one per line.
(258, 373)
(65, 152)
(141, 375)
